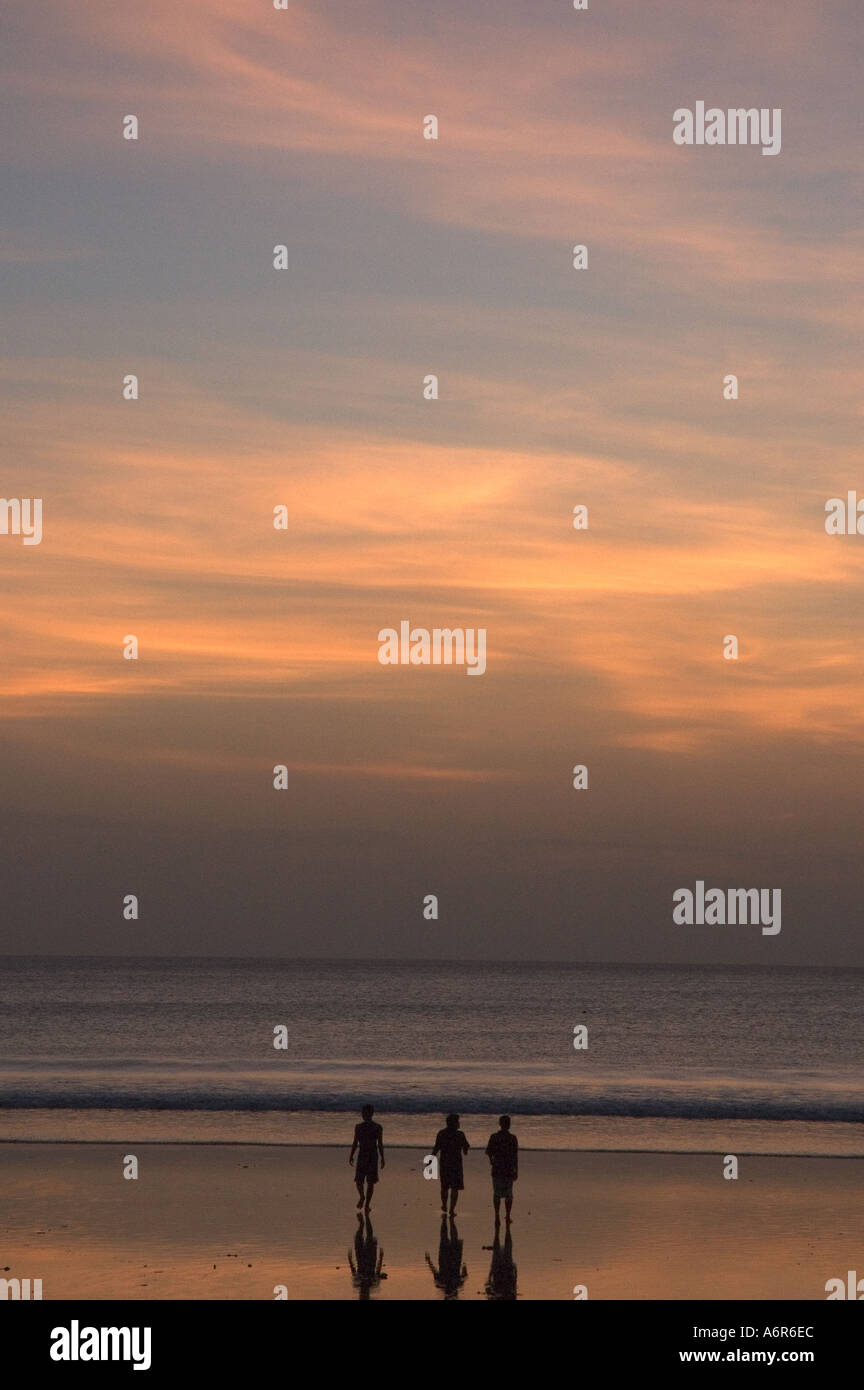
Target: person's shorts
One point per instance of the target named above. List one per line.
(502, 1187)
(366, 1172)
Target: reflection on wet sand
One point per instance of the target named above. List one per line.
(367, 1262)
(451, 1273)
(501, 1283)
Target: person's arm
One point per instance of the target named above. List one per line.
(465, 1145)
(515, 1157)
(353, 1146)
(381, 1144)
(437, 1144)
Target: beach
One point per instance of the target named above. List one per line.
(244, 1189)
(225, 1221)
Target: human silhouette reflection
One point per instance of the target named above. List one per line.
(451, 1272)
(501, 1284)
(366, 1271)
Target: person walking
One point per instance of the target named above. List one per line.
(369, 1139)
(503, 1153)
(450, 1144)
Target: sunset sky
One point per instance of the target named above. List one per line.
(304, 387)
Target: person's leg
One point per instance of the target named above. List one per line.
(443, 1195)
(496, 1202)
(454, 1197)
(508, 1203)
(370, 1188)
(358, 1183)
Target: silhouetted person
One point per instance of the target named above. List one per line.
(503, 1151)
(501, 1284)
(367, 1271)
(450, 1145)
(451, 1272)
(369, 1139)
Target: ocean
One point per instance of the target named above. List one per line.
(678, 1058)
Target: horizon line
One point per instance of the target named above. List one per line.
(437, 960)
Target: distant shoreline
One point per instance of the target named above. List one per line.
(409, 1148)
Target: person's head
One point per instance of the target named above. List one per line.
(504, 1121)
(452, 1121)
(367, 1112)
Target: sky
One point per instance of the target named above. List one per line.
(303, 388)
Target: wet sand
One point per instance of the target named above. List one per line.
(215, 1221)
